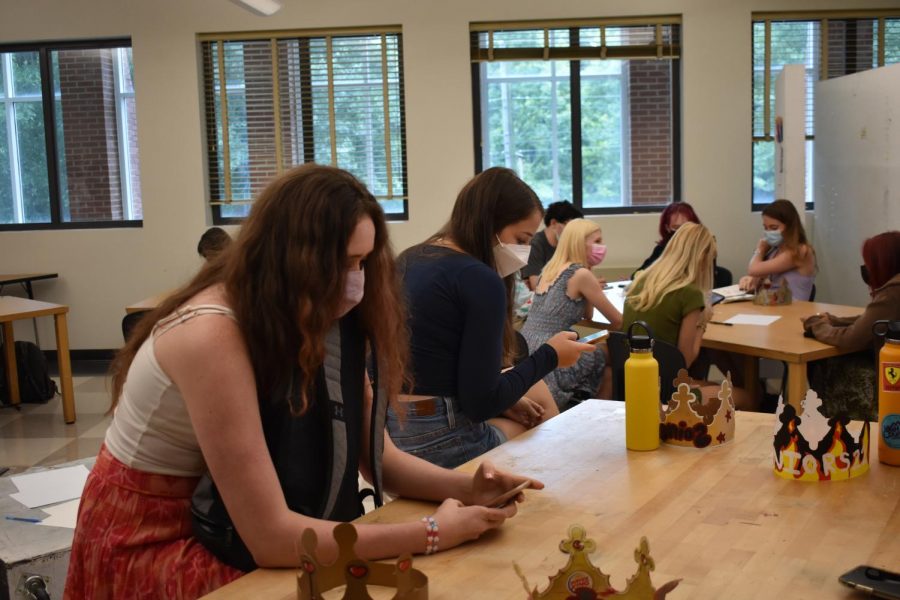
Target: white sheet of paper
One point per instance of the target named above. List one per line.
(51, 486)
(62, 515)
(744, 319)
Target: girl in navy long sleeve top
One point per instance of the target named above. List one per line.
(458, 284)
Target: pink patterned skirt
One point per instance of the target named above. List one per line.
(133, 538)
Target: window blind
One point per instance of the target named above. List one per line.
(276, 100)
(583, 39)
(828, 44)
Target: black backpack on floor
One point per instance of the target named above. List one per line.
(35, 385)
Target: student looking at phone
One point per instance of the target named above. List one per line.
(459, 290)
(567, 293)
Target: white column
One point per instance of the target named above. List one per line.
(790, 136)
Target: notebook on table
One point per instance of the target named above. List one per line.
(730, 293)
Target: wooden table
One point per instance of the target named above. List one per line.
(13, 309)
(719, 518)
(25, 279)
(782, 340)
(147, 303)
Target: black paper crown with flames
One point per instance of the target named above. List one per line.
(357, 574)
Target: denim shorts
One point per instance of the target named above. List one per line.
(444, 436)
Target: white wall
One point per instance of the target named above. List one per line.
(103, 270)
(856, 174)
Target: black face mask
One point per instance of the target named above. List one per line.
(864, 272)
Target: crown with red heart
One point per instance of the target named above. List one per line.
(316, 578)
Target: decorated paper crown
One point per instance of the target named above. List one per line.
(818, 448)
(581, 580)
(767, 296)
(316, 578)
(691, 421)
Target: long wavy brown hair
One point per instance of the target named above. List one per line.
(490, 201)
(284, 276)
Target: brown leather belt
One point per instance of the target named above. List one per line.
(424, 407)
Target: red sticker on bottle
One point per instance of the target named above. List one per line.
(890, 377)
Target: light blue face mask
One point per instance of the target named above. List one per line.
(773, 237)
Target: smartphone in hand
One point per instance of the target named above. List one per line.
(508, 496)
(594, 338)
(876, 582)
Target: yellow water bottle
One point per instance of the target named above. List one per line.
(641, 392)
(889, 392)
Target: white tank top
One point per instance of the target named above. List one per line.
(151, 430)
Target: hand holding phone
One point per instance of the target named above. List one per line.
(508, 496)
(594, 338)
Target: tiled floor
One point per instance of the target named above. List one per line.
(36, 435)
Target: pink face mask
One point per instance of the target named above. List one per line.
(596, 254)
(354, 286)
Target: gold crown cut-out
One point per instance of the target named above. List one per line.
(581, 580)
(316, 578)
(695, 422)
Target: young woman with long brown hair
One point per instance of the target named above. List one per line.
(783, 254)
(459, 288)
(255, 373)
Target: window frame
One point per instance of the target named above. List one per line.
(822, 17)
(575, 78)
(48, 99)
(305, 98)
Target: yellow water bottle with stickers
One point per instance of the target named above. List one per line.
(889, 392)
(641, 391)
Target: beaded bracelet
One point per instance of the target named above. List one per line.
(431, 535)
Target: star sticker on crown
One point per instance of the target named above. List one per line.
(348, 569)
(581, 580)
(694, 421)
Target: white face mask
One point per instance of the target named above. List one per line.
(354, 287)
(510, 258)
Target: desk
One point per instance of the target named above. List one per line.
(782, 340)
(147, 303)
(13, 309)
(25, 279)
(719, 518)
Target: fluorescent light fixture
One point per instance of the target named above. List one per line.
(263, 8)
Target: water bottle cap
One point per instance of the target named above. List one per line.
(889, 330)
(640, 342)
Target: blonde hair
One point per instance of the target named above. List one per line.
(687, 259)
(571, 248)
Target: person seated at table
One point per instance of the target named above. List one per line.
(672, 217)
(459, 290)
(212, 242)
(255, 372)
(567, 293)
(847, 383)
(672, 294)
(783, 255)
(544, 242)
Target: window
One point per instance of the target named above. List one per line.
(284, 99)
(828, 45)
(68, 136)
(586, 111)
